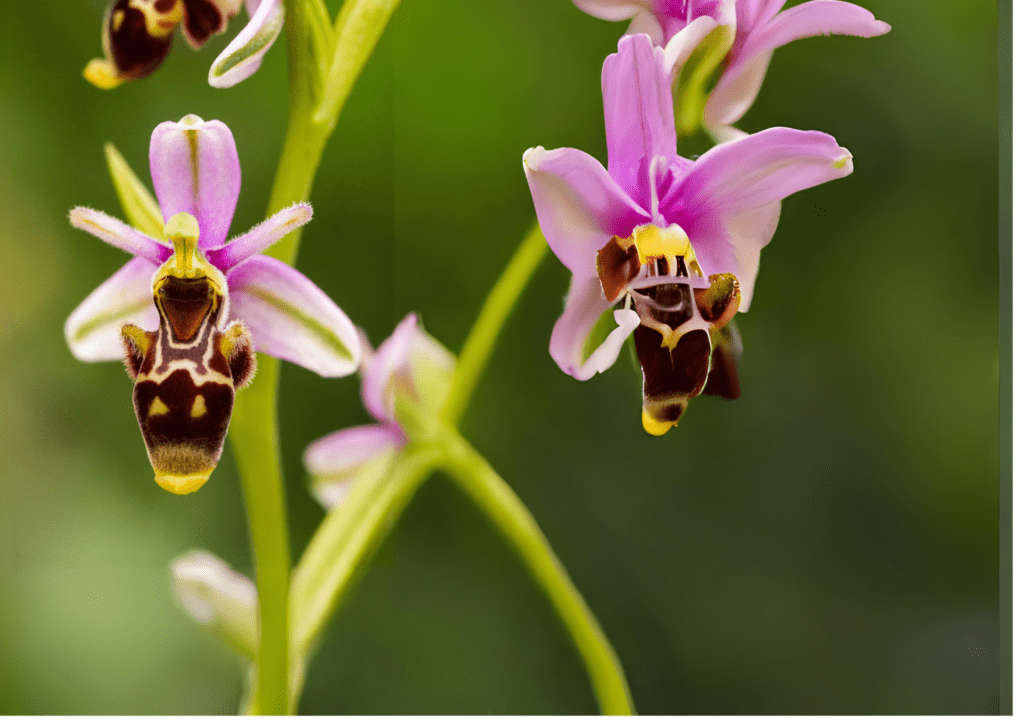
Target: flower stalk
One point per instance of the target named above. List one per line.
(254, 434)
(476, 352)
(500, 503)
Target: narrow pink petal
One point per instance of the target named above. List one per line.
(195, 169)
(111, 230)
(649, 24)
(759, 169)
(739, 84)
(613, 10)
(93, 330)
(291, 318)
(734, 94)
(578, 205)
(584, 306)
(337, 460)
(751, 13)
(729, 203)
(348, 448)
(244, 54)
(683, 43)
(260, 237)
(393, 354)
(638, 117)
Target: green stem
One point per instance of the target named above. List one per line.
(480, 343)
(500, 502)
(348, 534)
(493, 495)
(254, 434)
(254, 440)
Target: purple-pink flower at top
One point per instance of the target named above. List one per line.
(669, 245)
(758, 28)
(166, 311)
(411, 364)
(137, 36)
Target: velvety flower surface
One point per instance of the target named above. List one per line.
(670, 245)
(137, 36)
(409, 363)
(168, 307)
(757, 27)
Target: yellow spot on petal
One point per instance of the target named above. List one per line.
(117, 20)
(157, 407)
(182, 484)
(654, 426)
(198, 406)
(840, 163)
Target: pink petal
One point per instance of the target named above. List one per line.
(760, 34)
(729, 203)
(111, 230)
(260, 237)
(638, 115)
(393, 353)
(336, 460)
(584, 306)
(291, 318)
(93, 330)
(760, 169)
(578, 205)
(243, 55)
(195, 169)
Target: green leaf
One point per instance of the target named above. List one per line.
(139, 206)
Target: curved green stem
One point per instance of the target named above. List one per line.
(348, 534)
(493, 495)
(254, 440)
(480, 343)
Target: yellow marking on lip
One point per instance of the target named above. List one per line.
(117, 20)
(182, 484)
(198, 406)
(157, 407)
(654, 426)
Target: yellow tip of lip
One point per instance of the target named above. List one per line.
(182, 484)
(101, 73)
(654, 426)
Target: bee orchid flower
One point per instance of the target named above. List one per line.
(137, 36)
(410, 371)
(663, 247)
(167, 311)
(755, 28)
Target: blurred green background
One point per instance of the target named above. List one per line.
(826, 544)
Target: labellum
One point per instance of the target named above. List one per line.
(656, 271)
(186, 372)
(137, 34)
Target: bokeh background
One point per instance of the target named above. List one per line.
(826, 544)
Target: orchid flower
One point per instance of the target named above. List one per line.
(756, 28)
(668, 245)
(169, 305)
(137, 36)
(410, 367)
(218, 598)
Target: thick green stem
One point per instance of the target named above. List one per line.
(254, 433)
(254, 440)
(480, 343)
(493, 495)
